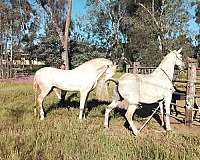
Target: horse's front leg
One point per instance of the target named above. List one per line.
(161, 112)
(129, 116)
(167, 107)
(114, 104)
(83, 100)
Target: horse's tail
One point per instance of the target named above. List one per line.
(115, 81)
(35, 88)
(116, 95)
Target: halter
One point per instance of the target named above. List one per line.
(181, 61)
(172, 88)
(171, 80)
(166, 75)
(178, 57)
(165, 71)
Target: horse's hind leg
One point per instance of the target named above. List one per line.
(111, 106)
(129, 117)
(41, 97)
(161, 112)
(114, 104)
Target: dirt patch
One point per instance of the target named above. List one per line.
(178, 126)
(118, 127)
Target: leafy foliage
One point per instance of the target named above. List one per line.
(19, 26)
(122, 30)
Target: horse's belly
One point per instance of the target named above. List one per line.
(68, 86)
(73, 84)
(150, 99)
(150, 96)
(136, 95)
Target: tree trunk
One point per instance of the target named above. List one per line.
(192, 65)
(65, 54)
(158, 22)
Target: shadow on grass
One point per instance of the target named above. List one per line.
(68, 103)
(144, 111)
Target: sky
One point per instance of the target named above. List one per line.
(79, 8)
(193, 27)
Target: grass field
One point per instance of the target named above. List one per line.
(61, 136)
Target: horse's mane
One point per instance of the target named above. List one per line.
(96, 60)
(166, 57)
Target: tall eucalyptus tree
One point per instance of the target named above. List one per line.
(57, 10)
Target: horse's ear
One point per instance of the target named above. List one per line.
(179, 51)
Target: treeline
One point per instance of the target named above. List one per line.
(122, 30)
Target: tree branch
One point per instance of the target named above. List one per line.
(152, 15)
(58, 30)
(106, 9)
(65, 54)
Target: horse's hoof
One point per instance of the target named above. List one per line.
(136, 133)
(168, 128)
(41, 118)
(106, 126)
(82, 119)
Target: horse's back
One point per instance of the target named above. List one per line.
(46, 70)
(128, 85)
(139, 88)
(95, 63)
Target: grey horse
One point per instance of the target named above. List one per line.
(152, 88)
(83, 79)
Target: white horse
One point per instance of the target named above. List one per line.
(83, 78)
(155, 87)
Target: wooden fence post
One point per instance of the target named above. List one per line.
(127, 68)
(135, 67)
(190, 92)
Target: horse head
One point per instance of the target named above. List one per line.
(179, 60)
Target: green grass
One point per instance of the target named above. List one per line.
(61, 136)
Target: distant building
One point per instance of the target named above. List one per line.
(19, 58)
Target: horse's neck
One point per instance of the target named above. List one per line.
(166, 67)
(100, 72)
